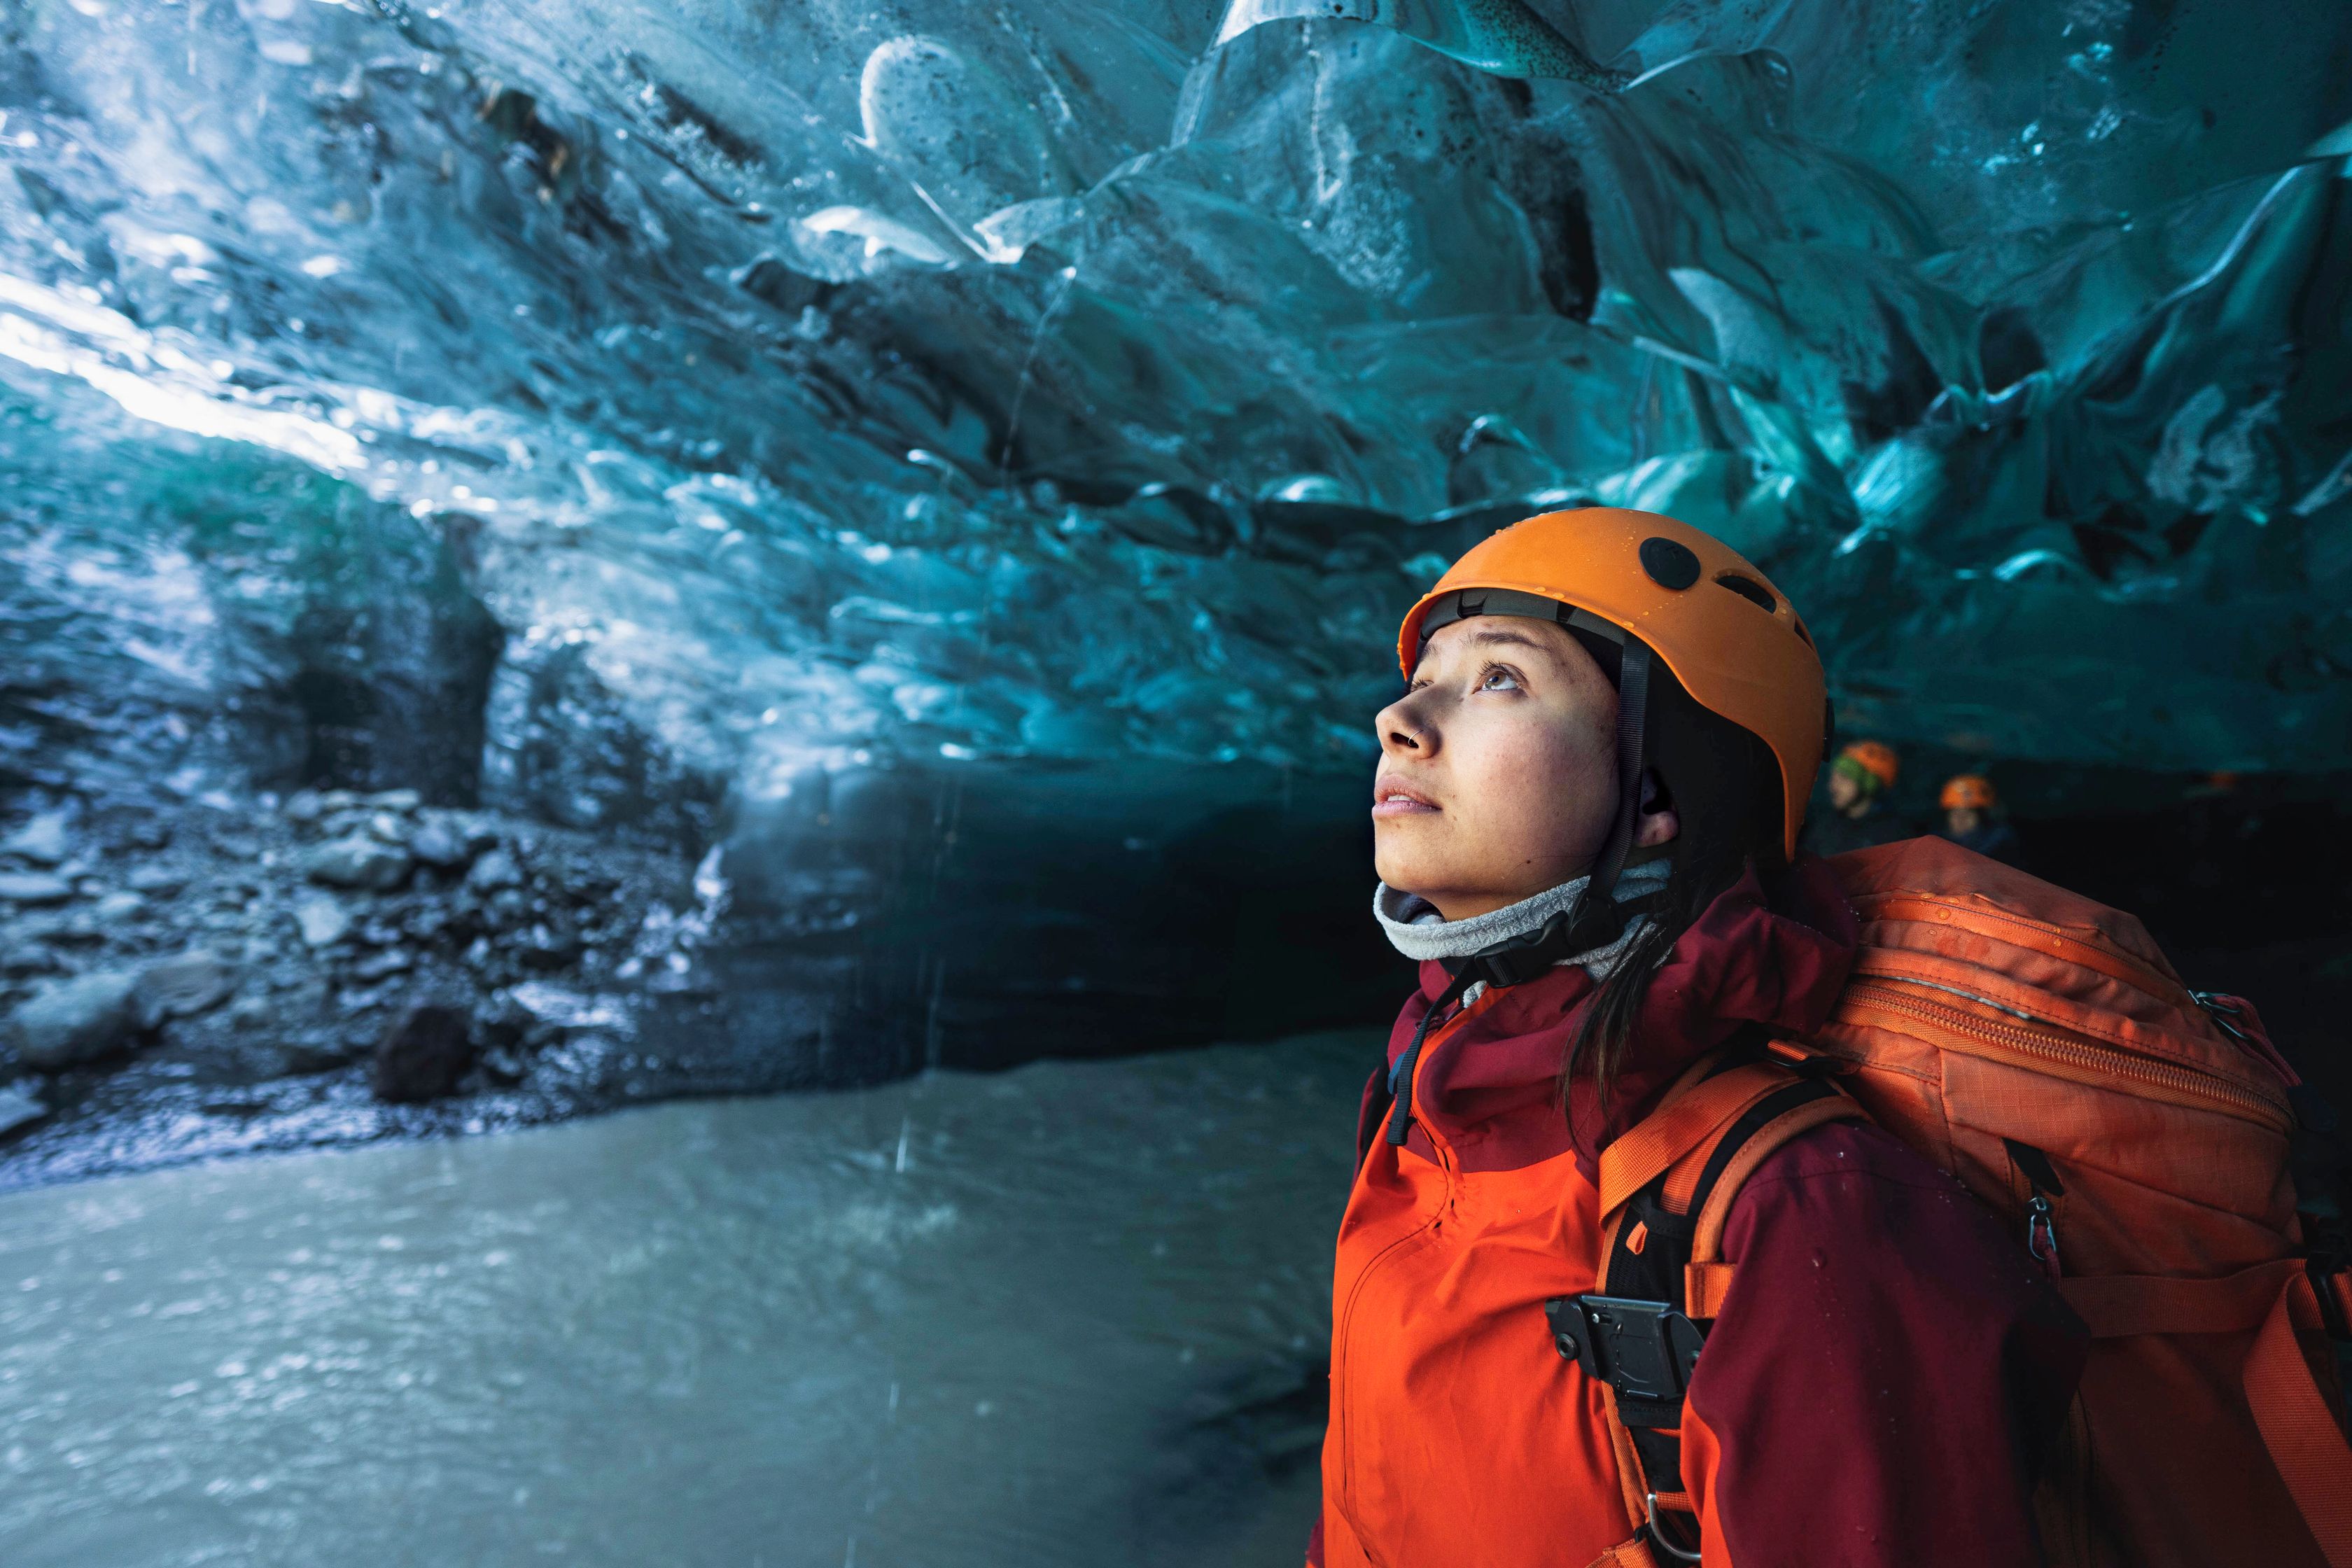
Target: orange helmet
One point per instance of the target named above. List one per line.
(1875, 758)
(1652, 585)
(1967, 792)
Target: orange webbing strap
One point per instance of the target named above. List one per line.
(1631, 1477)
(1633, 1553)
(1690, 1115)
(2305, 1439)
(1704, 1285)
(2116, 1306)
(1706, 1242)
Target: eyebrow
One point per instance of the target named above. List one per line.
(1490, 636)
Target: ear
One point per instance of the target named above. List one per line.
(1657, 822)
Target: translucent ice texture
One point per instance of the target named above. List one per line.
(811, 385)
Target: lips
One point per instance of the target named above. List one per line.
(1392, 797)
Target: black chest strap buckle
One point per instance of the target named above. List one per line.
(1646, 1351)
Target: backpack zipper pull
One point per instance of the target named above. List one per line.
(2041, 1218)
(2041, 1233)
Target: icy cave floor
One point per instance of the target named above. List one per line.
(1068, 1314)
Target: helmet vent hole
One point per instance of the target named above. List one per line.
(1670, 563)
(1749, 589)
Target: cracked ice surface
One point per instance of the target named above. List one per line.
(816, 386)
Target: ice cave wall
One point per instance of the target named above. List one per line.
(823, 425)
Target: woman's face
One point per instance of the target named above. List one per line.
(1498, 768)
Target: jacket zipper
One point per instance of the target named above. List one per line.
(1348, 1313)
(2074, 1058)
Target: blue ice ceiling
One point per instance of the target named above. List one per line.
(804, 387)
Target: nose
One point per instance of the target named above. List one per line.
(1404, 729)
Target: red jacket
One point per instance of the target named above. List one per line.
(1878, 1390)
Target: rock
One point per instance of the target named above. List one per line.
(376, 965)
(250, 1012)
(322, 918)
(357, 861)
(22, 958)
(495, 873)
(544, 947)
(508, 907)
(116, 908)
(156, 882)
(74, 1021)
(396, 800)
(389, 827)
(34, 889)
(319, 1053)
(564, 1008)
(501, 1022)
(183, 986)
(427, 1050)
(155, 832)
(41, 839)
(503, 1065)
(304, 808)
(17, 1108)
(438, 845)
(80, 929)
(381, 932)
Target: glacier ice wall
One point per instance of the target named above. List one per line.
(656, 411)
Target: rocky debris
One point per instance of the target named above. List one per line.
(183, 986)
(34, 889)
(74, 1021)
(495, 873)
(321, 918)
(17, 1108)
(439, 845)
(112, 909)
(425, 1053)
(358, 861)
(43, 840)
(385, 961)
(26, 958)
(262, 998)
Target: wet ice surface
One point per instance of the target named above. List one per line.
(1068, 1314)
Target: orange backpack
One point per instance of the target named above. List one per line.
(2137, 1136)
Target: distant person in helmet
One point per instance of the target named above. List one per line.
(1968, 804)
(1857, 817)
(1585, 819)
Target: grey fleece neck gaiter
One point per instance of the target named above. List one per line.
(1416, 929)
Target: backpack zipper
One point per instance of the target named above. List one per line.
(2073, 1057)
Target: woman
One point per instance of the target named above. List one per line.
(1586, 807)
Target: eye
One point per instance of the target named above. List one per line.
(1498, 677)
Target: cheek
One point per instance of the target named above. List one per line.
(1547, 785)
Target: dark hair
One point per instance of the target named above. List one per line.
(1725, 784)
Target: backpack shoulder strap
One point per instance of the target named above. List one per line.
(1664, 1278)
(1707, 1278)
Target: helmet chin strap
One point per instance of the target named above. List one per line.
(1597, 918)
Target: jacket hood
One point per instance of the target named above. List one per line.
(1489, 1086)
